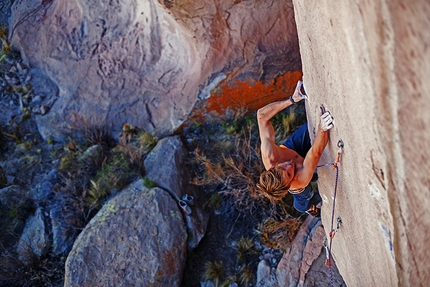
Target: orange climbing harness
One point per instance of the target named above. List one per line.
(332, 233)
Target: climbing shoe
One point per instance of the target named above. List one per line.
(185, 207)
(188, 199)
(314, 211)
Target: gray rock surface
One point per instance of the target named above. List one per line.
(293, 268)
(266, 275)
(368, 62)
(63, 231)
(35, 236)
(145, 63)
(165, 165)
(5, 12)
(45, 188)
(114, 62)
(138, 238)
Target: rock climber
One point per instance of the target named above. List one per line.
(291, 167)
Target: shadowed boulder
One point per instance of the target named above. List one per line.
(137, 238)
(35, 236)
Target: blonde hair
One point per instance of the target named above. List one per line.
(271, 184)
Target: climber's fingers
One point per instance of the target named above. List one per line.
(326, 121)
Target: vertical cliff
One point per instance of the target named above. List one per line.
(368, 63)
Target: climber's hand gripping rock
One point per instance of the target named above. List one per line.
(326, 121)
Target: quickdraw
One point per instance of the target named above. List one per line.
(333, 231)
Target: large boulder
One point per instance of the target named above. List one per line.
(145, 63)
(138, 238)
(165, 166)
(114, 62)
(368, 62)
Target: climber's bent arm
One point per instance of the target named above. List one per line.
(269, 149)
(313, 156)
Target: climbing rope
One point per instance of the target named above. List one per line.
(333, 231)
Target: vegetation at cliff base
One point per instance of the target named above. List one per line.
(227, 165)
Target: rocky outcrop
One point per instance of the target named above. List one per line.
(141, 235)
(114, 63)
(303, 263)
(137, 238)
(164, 166)
(35, 236)
(368, 63)
(146, 64)
(307, 247)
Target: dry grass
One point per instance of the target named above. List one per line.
(233, 166)
(229, 161)
(100, 168)
(279, 234)
(214, 271)
(44, 271)
(245, 250)
(247, 274)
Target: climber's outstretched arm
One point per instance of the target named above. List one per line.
(314, 154)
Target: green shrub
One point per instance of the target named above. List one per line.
(149, 183)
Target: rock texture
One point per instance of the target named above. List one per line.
(114, 62)
(146, 64)
(266, 275)
(368, 63)
(164, 165)
(35, 236)
(137, 239)
(303, 263)
(307, 247)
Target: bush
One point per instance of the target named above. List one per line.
(280, 234)
(228, 161)
(227, 164)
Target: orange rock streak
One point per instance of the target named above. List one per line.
(248, 95)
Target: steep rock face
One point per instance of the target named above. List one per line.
(146, 64)
(137, 238)
(368, 63)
